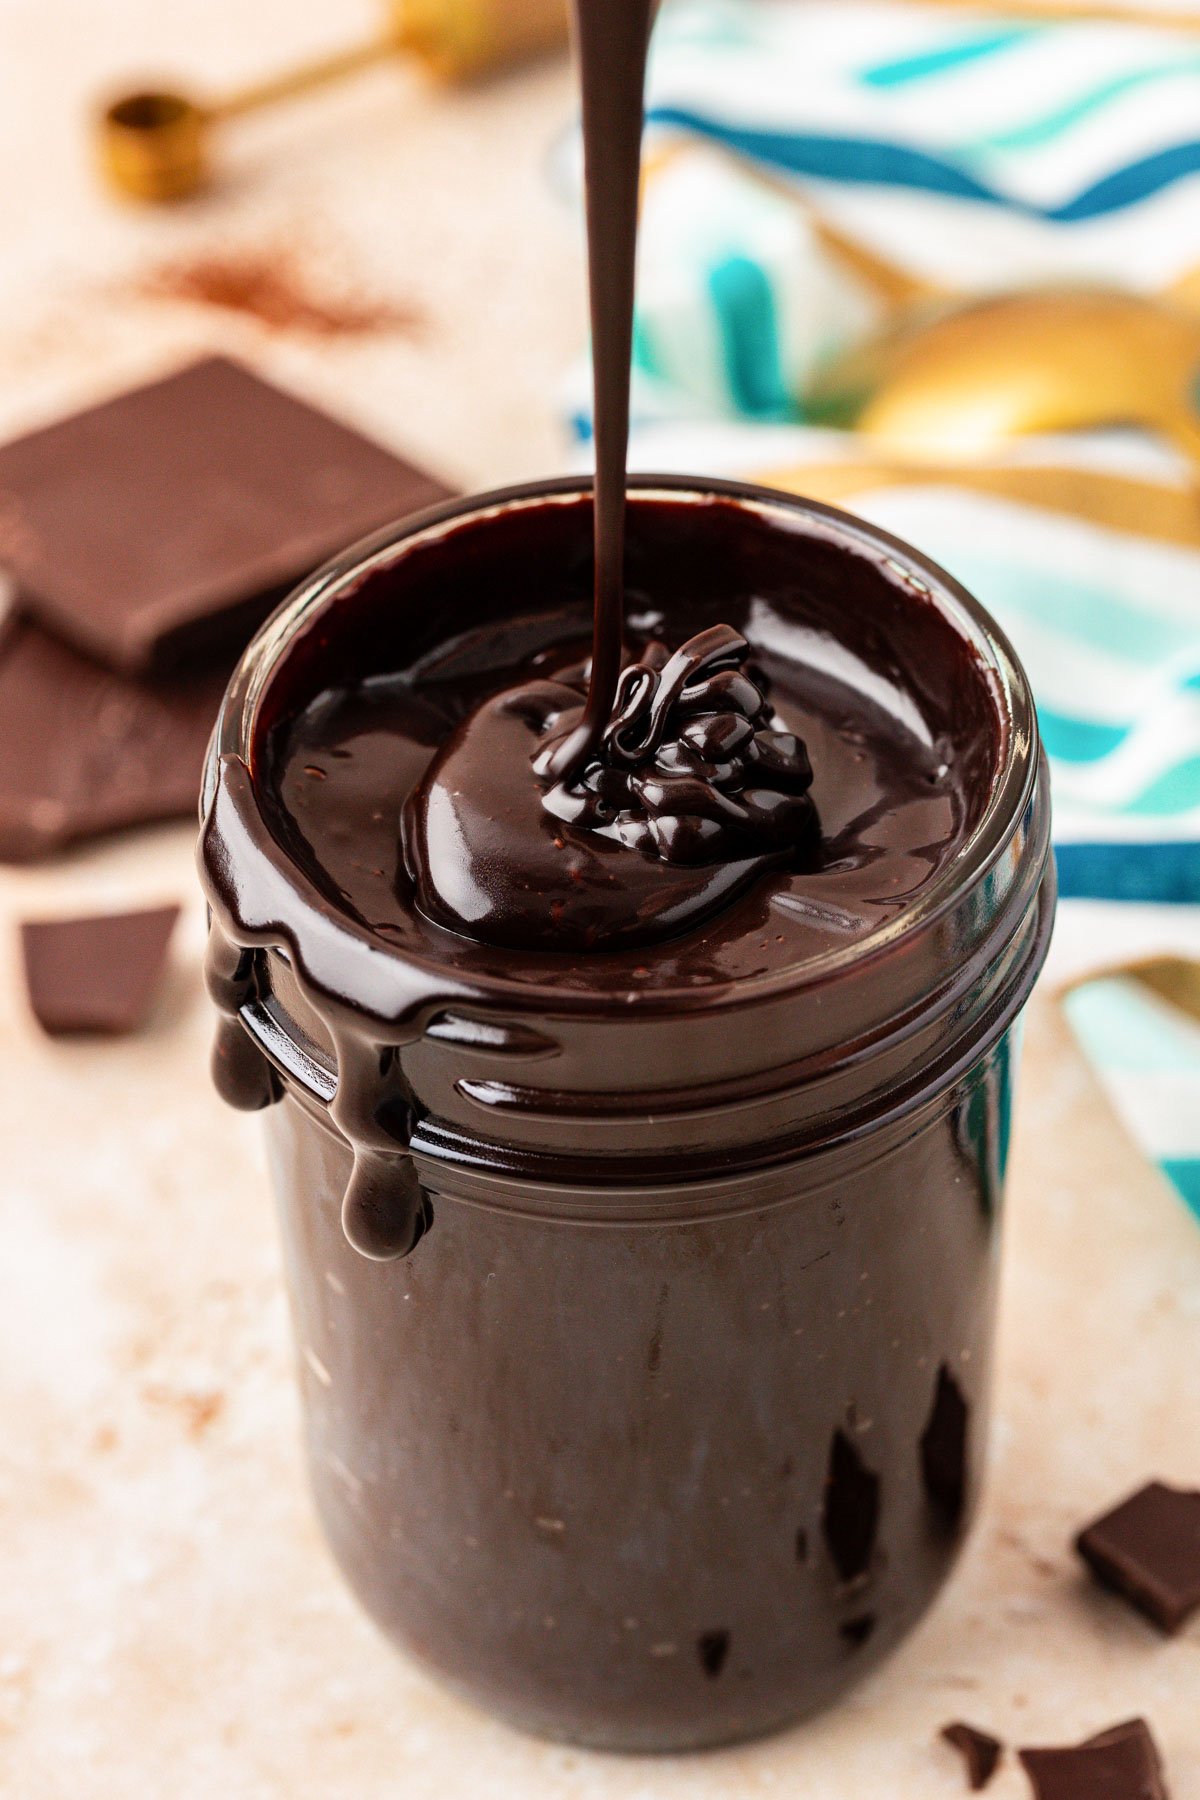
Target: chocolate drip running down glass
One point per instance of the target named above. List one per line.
(632, 1014)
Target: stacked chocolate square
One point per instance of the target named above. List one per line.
(144, 540)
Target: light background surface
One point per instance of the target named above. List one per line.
(170, 1623)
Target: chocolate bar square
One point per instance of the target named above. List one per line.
(171, 518)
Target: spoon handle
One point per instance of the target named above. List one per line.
(1175, 979)
(1088, 12)
(1180, 424)
(291, 83)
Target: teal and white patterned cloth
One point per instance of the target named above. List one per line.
(1146, 1054)
(978, 153)
(1107, 623)
(981, 153)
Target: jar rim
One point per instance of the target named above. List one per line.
(237, 734)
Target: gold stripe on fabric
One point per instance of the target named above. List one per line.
(1148, 509)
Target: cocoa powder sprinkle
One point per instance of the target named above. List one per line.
(272, 289)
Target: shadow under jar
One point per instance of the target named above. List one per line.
(670, 1422)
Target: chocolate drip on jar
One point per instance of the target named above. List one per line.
(242, 1074)
(385, 1212)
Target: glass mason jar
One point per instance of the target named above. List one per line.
(672, 1421)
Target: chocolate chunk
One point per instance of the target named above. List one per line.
(1148, 1551)
(856, 1631)
(1121, 1763)
(95, 974)
(84, 751)
(173, 517)
(944, 1450)
(979, 1750)
(850, 1517)
(712, 1647)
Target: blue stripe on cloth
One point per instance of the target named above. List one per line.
(1127, 186)
(880, 163)
(1165, 873)
(1183, 1172)
(1078, 740)
(902, 70)
(745, 308)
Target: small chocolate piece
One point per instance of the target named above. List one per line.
(1148, 1551)
(95, 974)
(1121, 1763)
(712, 1647)
(850, 1517)
(84, 751)
(979, 1750)
(944, 1450)
(174, 516)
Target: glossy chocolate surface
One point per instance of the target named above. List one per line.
(694, 789)
(894, 706)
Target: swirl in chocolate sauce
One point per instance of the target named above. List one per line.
(693, 766)
(694, 789)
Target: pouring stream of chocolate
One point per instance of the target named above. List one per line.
(611, 44)
(673, 760)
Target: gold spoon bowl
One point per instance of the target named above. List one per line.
(958, 380)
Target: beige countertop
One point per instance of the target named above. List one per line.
(170, 1623)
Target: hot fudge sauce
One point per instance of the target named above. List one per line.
(696, 1329)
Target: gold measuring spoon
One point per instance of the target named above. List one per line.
(157, 145)
(959, 380)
